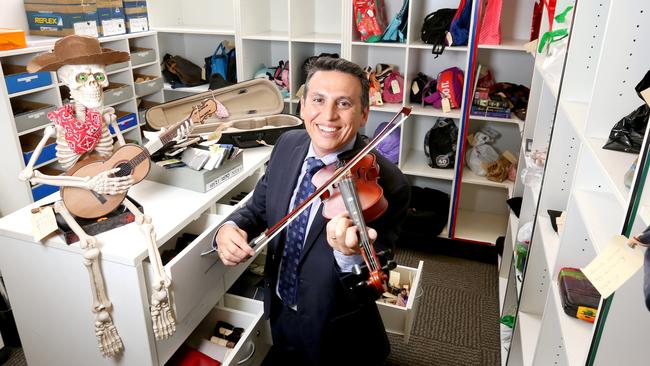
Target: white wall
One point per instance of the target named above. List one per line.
(13, 14)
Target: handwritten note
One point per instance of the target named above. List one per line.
(615, 265)
(43, 222)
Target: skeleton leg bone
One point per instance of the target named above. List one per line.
(110, 343)
(162, 315)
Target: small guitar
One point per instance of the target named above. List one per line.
(131, 160)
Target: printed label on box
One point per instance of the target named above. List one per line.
(138, 25)
(88, 28)
(231, 173)
(112, 27)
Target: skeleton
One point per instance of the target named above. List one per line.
(86, 83)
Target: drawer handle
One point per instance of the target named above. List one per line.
(247, 358)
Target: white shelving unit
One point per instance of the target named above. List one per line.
(576, 104)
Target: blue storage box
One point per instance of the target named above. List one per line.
(43, 190)
(18, 79)
(29, 142)
(124, 120)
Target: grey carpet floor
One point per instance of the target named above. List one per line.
(457, 322)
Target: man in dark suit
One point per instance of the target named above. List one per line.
(315, 318)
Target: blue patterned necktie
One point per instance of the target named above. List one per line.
(296, 236)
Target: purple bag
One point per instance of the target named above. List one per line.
(389, 146)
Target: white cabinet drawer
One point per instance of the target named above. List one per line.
(242, 312)
(399, 319)
(194, 276)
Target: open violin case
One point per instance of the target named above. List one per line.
(254, 108)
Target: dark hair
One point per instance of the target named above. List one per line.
(341, 65)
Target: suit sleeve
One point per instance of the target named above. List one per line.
(252, 216)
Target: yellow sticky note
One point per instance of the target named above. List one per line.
(615, 265)
(43, 222)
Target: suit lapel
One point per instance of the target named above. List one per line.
(284, 194)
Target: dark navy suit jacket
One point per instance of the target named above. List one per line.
(334, 316)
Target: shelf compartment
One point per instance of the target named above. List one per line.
(592, 207)
(265, 19)
(30, 116)
(415, 163)
(116, 93)
(575, 333)
(188, 29)
(614, 164)
(549, 239)
(480, 226)
(470, 177)
(551, 348)
(125, 121)
(316, 21)
(529, 326)
(189, 16)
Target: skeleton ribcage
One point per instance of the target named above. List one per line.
(67, 157)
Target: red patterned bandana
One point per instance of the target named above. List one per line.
(82, 136)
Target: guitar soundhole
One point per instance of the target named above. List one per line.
(125, 169)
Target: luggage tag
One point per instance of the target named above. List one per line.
(43, 222)
(394, 85)
(446, 106)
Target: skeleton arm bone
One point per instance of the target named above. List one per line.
(101, 183)
(110, 119)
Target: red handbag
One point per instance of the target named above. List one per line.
(188, 356)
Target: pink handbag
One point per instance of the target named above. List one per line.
(393, 88)
(491, 26)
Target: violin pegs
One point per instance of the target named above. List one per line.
(357, 270)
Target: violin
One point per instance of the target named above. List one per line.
(343, 178)
(359, 193)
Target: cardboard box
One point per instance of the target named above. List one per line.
(197, 180)
(61, 17)
(110, 17)
(136, 18)
(29, 115)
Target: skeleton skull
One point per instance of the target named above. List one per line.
(86, 83)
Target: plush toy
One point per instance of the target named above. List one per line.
(81, 130)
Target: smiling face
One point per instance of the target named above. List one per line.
(332, 110)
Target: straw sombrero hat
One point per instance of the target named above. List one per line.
(76, 50)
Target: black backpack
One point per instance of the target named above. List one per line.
(435, 27)
(440, 144)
